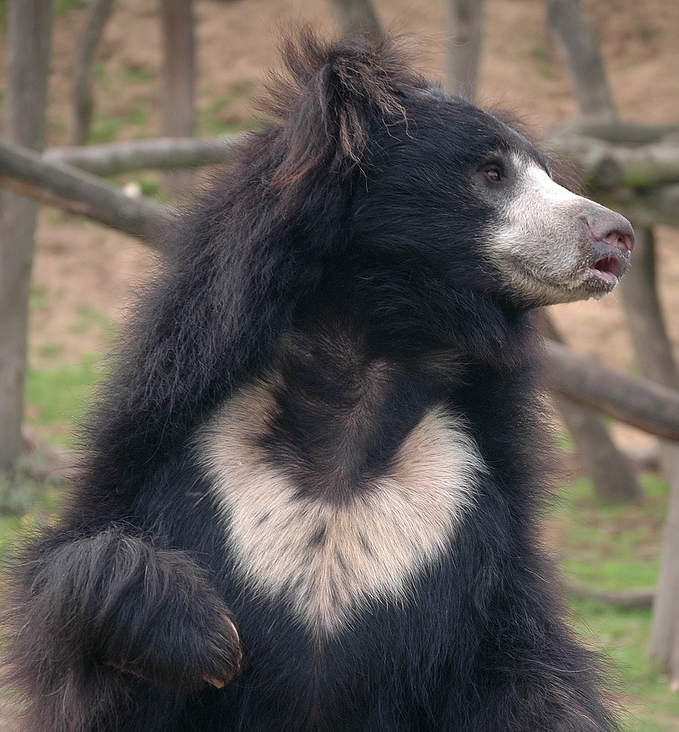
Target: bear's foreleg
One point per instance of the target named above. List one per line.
(114, 600)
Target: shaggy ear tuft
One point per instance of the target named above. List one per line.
(334, 94)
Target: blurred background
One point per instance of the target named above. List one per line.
(116, 88)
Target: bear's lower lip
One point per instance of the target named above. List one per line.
(607, 270)
(606, 278)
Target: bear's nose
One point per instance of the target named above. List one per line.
(611, 229)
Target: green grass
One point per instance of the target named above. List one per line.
(216, 118)
(622, 637)
(50, 350)
(57, 399)
(57, 125)
(63, 6)
(89, 317)
(648, 32)
(131, 71)
(149, 186)
(608, 547)
(38, 298)
(106, 126)
(25, 501)
(543, 61)
(616, 546)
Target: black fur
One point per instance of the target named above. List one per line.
(346, 234)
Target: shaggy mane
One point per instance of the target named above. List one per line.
(260, 237)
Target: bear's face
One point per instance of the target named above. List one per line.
(459, 200)
(550, 245)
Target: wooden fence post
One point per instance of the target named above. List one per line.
(97, 14)
(178, 81)
(463, 46)
(578, 47)
(28, 34)
(356, 16)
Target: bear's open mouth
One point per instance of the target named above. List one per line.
(607, 269)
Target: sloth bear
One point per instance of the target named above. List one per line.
(309, 496)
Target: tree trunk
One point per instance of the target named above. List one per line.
(664, 644)
(97, 15)
(178, 82)
(609, 469)
(356, 16)
(463, 46)
(577, 45)
(28, 42)
(647, 328)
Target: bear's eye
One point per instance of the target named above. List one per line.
(494, 173)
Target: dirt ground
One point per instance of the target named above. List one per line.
(86, 275)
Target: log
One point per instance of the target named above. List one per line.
(161, 152)
(620, 131)
(656, 205)
(638, 402)
(648, 406)
(60, 185)
(606, 165)
(645, 208)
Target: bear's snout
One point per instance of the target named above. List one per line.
(612, 239)
(610, 231)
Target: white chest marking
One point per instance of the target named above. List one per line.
(330, 561)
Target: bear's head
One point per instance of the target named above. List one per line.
(463, 195)
(436, 194)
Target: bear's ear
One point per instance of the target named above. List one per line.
(334, 96)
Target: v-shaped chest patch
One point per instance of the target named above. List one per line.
(330, 561)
